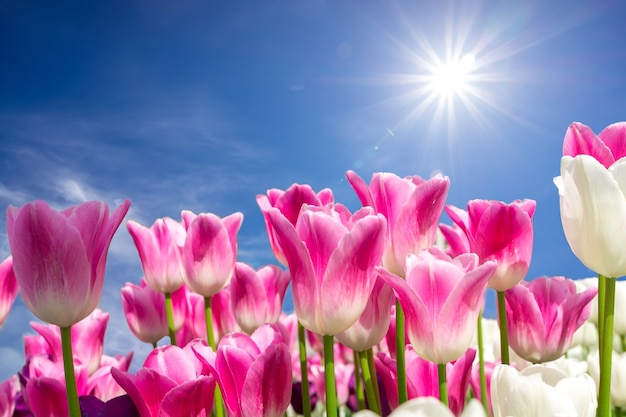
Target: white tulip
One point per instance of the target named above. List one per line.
(593, 212)
(428, 407)
(540, 390)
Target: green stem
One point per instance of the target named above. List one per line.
(208, 317)
(443, 386)
(329, 376)
(606, 348)
(70, 378)
(481, 364)
(372, 365)
(170, 317)
(601, 297)
(618, 412)
(504, 333)
(358, 381)
(304, 372)
(154, 345)
(400, 360)
(369, 386)
(622, 339)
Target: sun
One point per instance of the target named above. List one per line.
(453, 77)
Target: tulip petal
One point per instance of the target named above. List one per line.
(361, 189)
(592, 212)
(190, 398)
(50, 264)
(580, 140)
(304, 282)
(420, 330)
(263, 392)
(350, 273)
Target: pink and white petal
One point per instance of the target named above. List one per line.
(419, 323)
(304, 283)
(460, 312)
(580, 140)
(350, 277)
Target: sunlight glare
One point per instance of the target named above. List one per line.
(452, 77)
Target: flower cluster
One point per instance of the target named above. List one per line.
(387, 321)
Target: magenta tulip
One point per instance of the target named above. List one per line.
(43, 386)
(59, 258)
(422, 378)
(210, 251)
(87, 339)
(8, 288)
(144, 309)
(441, 297)
(172, 382)
(412, 207)
(257, 296)
(101, 383)
(543, 315)
(456, 238)
(499, 232)
(331, 255)
(160, 250)
(289, 202)
(8, 395)
(254, 372)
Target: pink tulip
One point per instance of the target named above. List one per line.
(412, 207)
(332, 255)
(254, 372)
(608, 147)
(210, 251)
(543, 315)
(8, 288)
(456, 238)
(160, 250)
(172, 382)
(43, 382)
(223, 319)
(87, 340)
(59, 258)
(441, 297)
(373, 324)
(422, 378)
(101, 383)
(8, 394)
(289, 202)
(499, 232)
(144, 309)
(257, 296)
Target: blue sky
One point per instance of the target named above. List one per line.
(202, 106)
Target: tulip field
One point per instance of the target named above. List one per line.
(388, 304)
